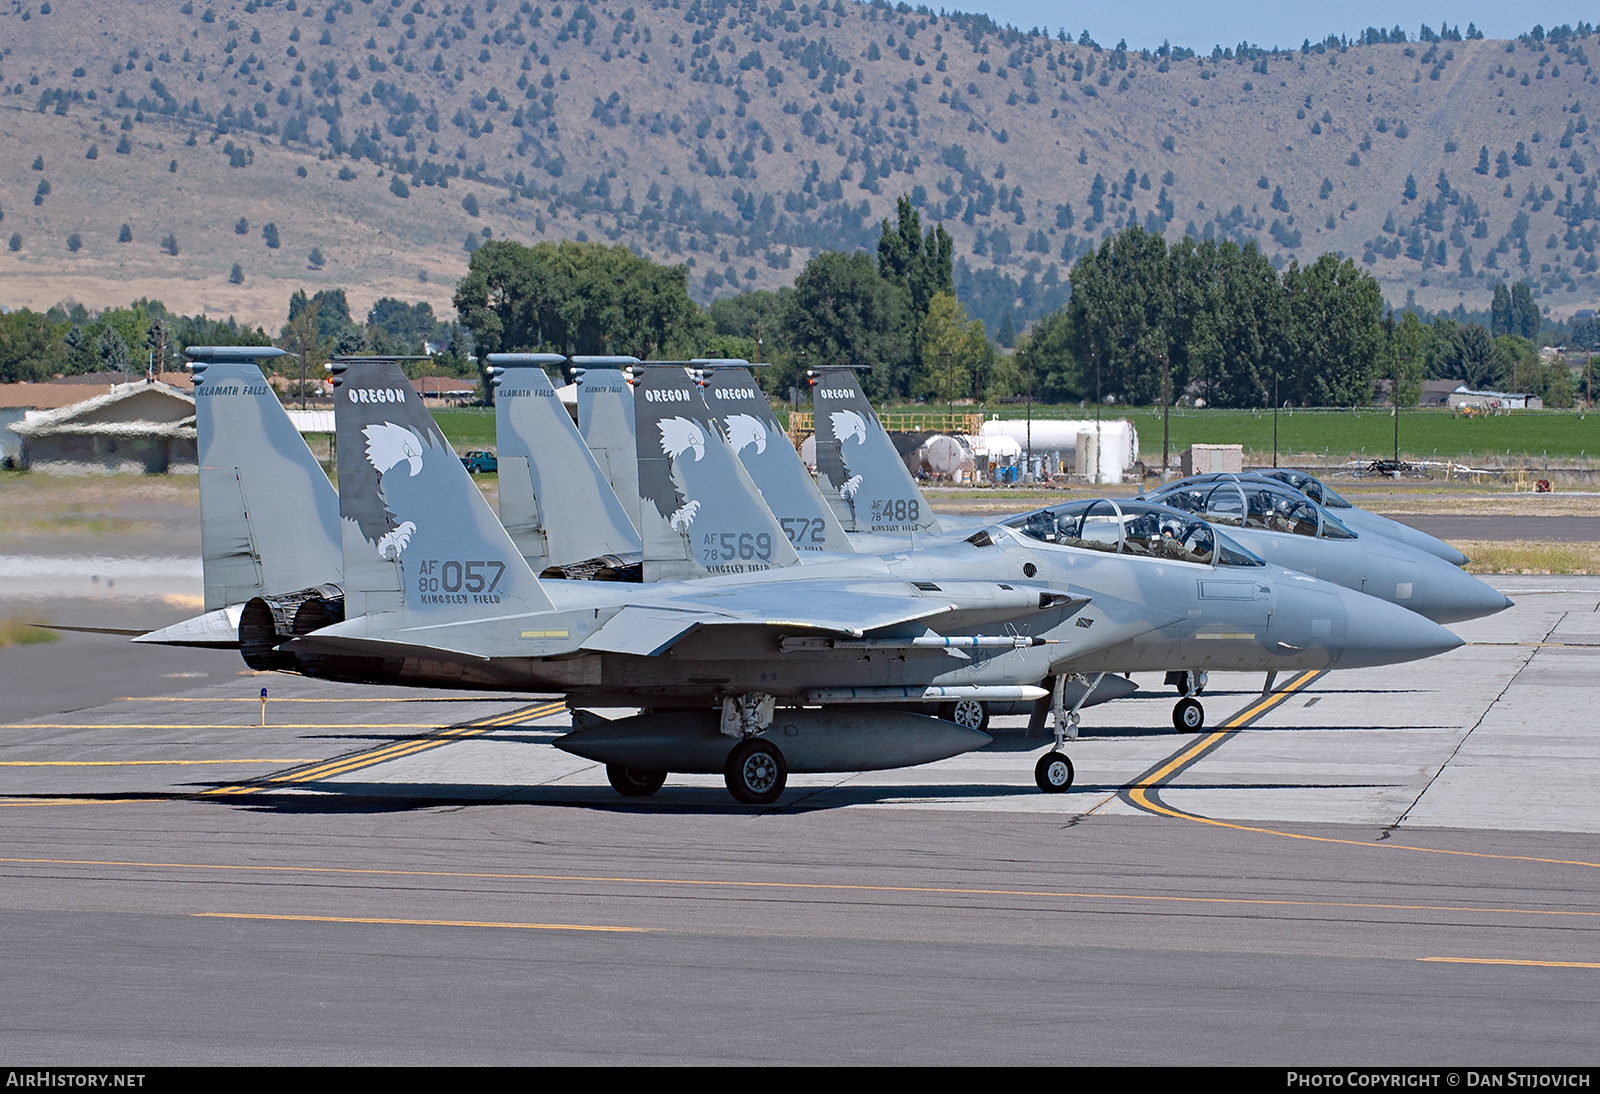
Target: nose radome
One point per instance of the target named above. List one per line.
(1453, 596)
(1380, 633)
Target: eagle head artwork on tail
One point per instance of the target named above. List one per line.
(388, 445)
(679, 437)
(745, 430)
(849, 426)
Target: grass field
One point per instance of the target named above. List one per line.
(1331, 434)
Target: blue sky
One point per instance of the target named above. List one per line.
(1200, 24)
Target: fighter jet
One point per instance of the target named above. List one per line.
(1364, 520)
(772, 666)
(1283, 525)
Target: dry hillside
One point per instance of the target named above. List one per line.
(743, 137)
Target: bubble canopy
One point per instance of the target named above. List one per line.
(1133, 528)
(1259, 503)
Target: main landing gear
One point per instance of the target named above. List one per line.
(755, 772)
(1053, 773)
(1188, 716)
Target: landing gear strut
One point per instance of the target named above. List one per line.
(1188, 716)
(1053, 773)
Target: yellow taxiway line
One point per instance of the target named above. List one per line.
(1514, 961)
(422, 922)
(795, 886)
(343, 765)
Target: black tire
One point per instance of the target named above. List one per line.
(755, 772)
(1053, 773)
(634, 782)
(968, 713)
(1188, 716)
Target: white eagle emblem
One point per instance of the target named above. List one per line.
(745, 429)
(396, 541)
(388, 444)
(679, 435)
(846, 424)
(680, 521)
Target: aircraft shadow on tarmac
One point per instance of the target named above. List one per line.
(388, 797)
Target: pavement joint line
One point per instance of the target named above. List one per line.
(1515, 961)
(1456, 751)
(1142, 793)
(393, 751)
(423, 922)
(804, 886)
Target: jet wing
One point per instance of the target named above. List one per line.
(837, 607)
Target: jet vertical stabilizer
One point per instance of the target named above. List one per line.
(758, 438)
(861, 475)
(700, 512)
(554, 500)
(605, 418)
(269, 517)
(418, 535)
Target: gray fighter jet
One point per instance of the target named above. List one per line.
(773, 666)
(1284, 526)
(1364, 520)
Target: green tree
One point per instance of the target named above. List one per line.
(842, 312)
(921, 265)
(93, 352)
(1046, 362)
(1230, 319)
(1409, 342)
(957, 360)
(576, 298)
(1469, 352)
(31, 346)
(1124, 311)
(1333, 333)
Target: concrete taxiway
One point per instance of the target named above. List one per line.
(1386, 866)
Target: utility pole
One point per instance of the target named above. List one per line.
(1277, 367)
(1166, 412)
(1099, 401)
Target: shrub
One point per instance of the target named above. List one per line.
(236, 275)
(169, 243)
(16, 241)
(270, 233)
(74, 243)
(125, 234)
(398, 187)
(242, 228)
(314, 259)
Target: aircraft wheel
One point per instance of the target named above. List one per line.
(756, 772)
(1053, 773)
(634, 782)
(968, 713)
(1188, 716)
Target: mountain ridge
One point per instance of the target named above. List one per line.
(743, 137)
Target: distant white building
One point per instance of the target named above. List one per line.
(1464, 396)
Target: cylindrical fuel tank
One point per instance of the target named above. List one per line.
(811, 739)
